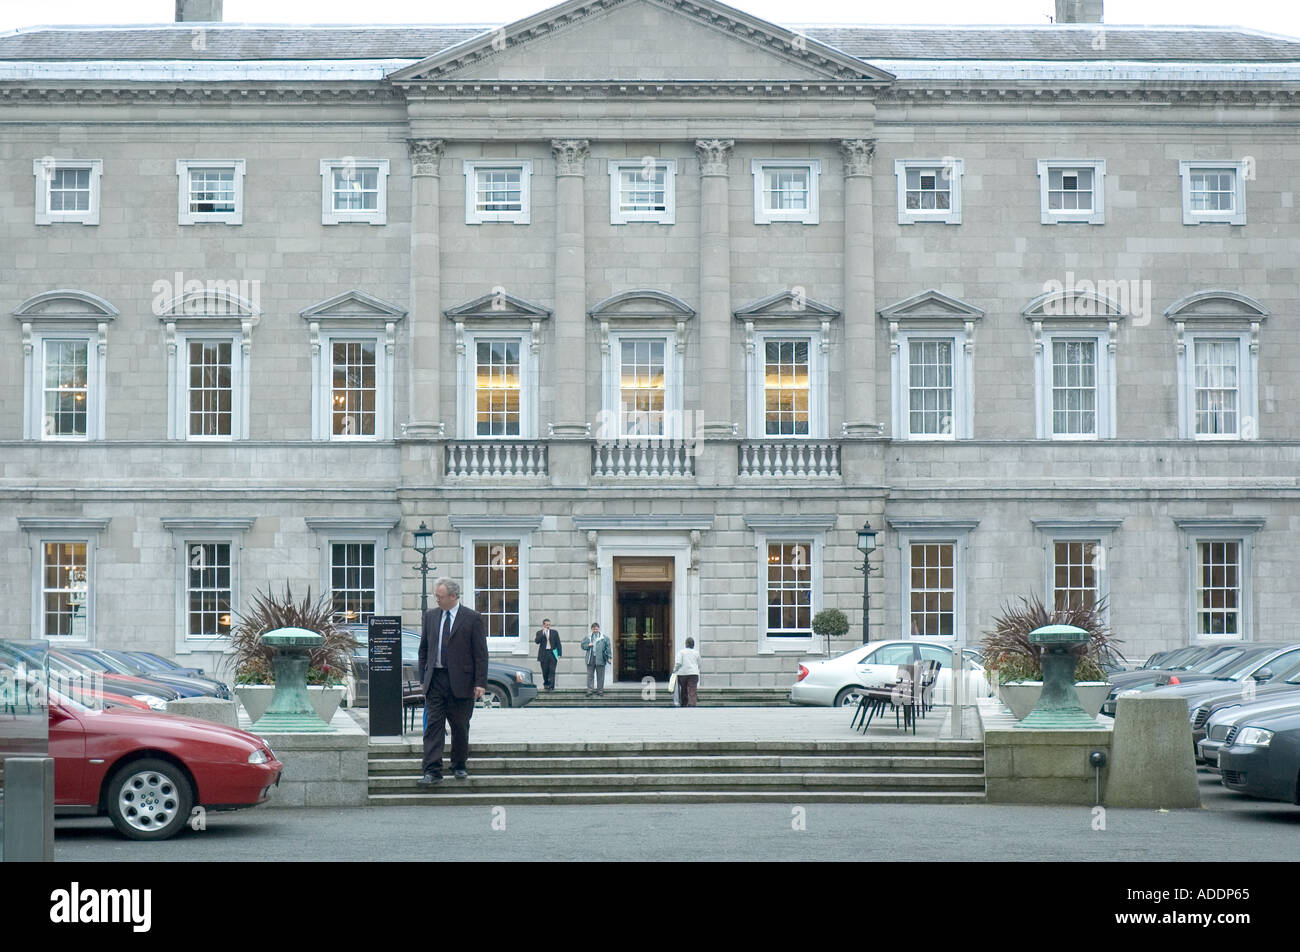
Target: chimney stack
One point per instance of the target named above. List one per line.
(202, 11)
(1078, 11)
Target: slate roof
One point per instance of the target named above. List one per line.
(1005, 43)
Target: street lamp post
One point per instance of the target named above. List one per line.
(866, 542)
(424, 545)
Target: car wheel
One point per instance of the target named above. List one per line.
(495, 697)
(849, 697)
(149, 800)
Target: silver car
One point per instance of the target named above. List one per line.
(838, 682)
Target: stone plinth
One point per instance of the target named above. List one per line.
(1152, 763)
(320, 770)
(206, 709)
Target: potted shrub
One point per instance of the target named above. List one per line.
(249, 661)
(830, 623)
(1017, 664)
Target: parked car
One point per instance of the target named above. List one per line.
(1227, 720)
(186, 686)
(147, 771)
(837, 682)
(509, 685)
(1274, 676)
(152, 662)
(1263, 759)
(67, 669)
(22, 680)
(1210, 665)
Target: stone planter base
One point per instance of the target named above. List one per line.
(1021, 696)
(256, 698)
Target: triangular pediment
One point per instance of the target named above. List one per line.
(784, 305)
(645, 41)
(498, 305)
(931, 305)
(352, 305)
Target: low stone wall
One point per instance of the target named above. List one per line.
(206, 709)
(1039, 766)
(320, 770)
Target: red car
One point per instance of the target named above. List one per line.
(147, 771)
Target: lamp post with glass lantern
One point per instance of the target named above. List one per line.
(424, 545)
(866, 542)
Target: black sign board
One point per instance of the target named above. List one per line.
(385, 675)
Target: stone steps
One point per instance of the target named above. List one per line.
(631, 696)
(943, 771)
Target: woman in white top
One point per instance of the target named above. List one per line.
(687, 669)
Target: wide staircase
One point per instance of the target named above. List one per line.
(625, 695)
(848, 771)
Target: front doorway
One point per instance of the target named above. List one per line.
(643, 605)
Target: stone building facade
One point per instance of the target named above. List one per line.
(645, 307)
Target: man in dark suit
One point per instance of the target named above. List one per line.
(548, 649)
(453, 674)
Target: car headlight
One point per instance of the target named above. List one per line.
(1254, 737)
(257, 757)
(522, 677)
(155, 703)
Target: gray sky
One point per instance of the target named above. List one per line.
(1274, 16)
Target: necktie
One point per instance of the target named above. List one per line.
(445, 633)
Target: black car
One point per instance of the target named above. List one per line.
(509, 685)
(1263, 759)
(1204, 666)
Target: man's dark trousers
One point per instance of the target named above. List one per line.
(443, 707)
(548, 669)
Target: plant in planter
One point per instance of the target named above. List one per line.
(249, 659)
(830, 623)
(1009, 654)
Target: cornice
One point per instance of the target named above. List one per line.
(602, 89)
(260, 94)
(1146, 94)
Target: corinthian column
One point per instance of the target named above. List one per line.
(570, 352)
(424, 413)
(859, 290)
(715, 287)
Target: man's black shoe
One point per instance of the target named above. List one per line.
(460, 773)
(429, 779)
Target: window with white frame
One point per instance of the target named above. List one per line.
(1072, 190)
(1218, 588)
(497, 386)
(1074, 574)
(932, 589)
(789, 588)
(496, 588)
(929, 190)
(642, 191)
(209, 588)
(1075, 389)
(353, 585)
(354, 190)
(65, 388)
(209, 402)
(642, 385)
(354, 387)
(65, 590)
(210, 191)
(786, 386)
(1213, 192)
(932, 386)
(67, 190)
(933, 576)
(1216, 387)
(210, 374)
(786, 190)
(498, 191)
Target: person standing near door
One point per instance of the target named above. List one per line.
(599, 652)
(548, 652)
(687, 670)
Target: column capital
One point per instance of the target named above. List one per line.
(713, 155)
(857, 155)
(570, 156)
(425, 155)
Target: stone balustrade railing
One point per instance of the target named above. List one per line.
(643, 458)
(491, 459)
(789, 458)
